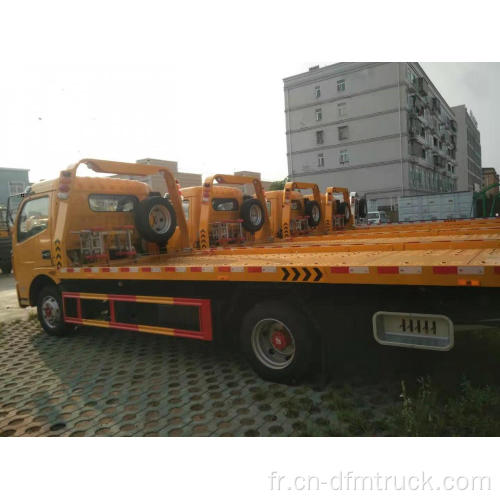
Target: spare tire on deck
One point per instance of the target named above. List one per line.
(252, 214)
(155, 219)
(313, 211)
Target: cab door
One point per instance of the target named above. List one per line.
(31, 240)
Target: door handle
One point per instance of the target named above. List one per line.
(45, 254)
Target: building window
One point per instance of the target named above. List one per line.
(317, 92)
(344, 156)
(410, 75)
(319, 137)
(319, 115)
(342, 109)
(321, 160)
(343, 133)
(340, 85)
(16, 188)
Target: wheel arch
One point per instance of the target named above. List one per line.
(36, 286)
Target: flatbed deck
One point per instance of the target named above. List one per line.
(440, 267)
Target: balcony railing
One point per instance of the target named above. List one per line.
(422, 86)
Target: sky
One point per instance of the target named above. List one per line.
(206, 91)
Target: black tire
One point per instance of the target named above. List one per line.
(264, 321)
(362, 208)
(313, 211)
(252, 215)
(6, 268)
(49, 305)
(345, 210)
(165, 221)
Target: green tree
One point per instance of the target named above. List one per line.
(278, 185)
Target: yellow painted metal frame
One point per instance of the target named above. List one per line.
(329, 206)
(114, 167)
(206, 204)
(287, 206)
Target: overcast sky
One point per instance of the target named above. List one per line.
(205, 91)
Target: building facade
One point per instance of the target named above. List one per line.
(381, 129)
(469, 176)
(490, 177)
(12, 181)
(157, 183)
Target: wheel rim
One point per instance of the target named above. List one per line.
(315, 215)
(273, 344)
(255, 215)
(160, 219)
(51, 313)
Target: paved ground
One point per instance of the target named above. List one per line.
(9, 309)
(108, 383)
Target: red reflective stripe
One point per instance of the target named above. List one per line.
(195, 269)
(105, 269)
(146, 269)
(78, 308)
(70, 270)
(340, 270)
(254, 269)
(87, 270)
(445, 269)
(224, 269)
(169, 269)
(124, 269)
(112, 313)
(388, 270)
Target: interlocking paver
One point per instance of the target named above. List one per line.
(107, 383)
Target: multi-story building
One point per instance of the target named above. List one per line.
(381, 129)
(12, 181)
(469, 177)
(490, 177)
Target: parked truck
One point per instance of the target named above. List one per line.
(5, 244)
(107, 252)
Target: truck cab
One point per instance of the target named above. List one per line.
(224, 215)
(377, 217)
(219, 215)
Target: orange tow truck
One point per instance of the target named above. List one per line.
(107, 252)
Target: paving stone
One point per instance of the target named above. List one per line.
(101, 383)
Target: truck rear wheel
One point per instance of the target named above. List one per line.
(50, 311)
(276, 341)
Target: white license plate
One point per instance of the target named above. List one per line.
(418, 331)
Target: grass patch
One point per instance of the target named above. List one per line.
(474, 411)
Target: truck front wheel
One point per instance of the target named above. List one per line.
(50, 311)
(276, 342)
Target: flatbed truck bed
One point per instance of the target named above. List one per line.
(284, 302)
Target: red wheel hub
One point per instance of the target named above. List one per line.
(280, 340)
